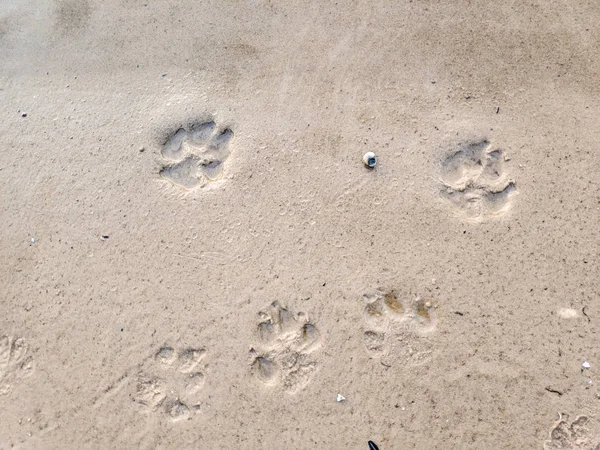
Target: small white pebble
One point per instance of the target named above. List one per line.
(586, 365)
(340, 398)
(370, 159)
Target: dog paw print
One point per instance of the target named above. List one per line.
(287, 343)
(397, 328)
(195, 156)
(577, 435)
(475, 181)
(15, 362)
(171, 383)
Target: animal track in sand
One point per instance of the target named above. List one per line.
(575, 436)
(195, 156)
(287, 341)
(475, 182)
(171, 383)
(398, 328)
(15, 362)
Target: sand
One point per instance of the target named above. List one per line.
(195, 256)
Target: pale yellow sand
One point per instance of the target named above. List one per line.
(222, 290)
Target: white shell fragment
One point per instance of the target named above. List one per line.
(340, 398)
(586, 365)
(370, 159)
(567, 313)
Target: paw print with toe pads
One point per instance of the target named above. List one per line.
(196, 156)
(580, 434)
(16, 362)
(287, 342)
(171, 382)
(475, 181)
(398, 329)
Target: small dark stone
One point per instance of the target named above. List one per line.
(105, 236)
(24, 115)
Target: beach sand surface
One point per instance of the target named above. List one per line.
(195, 256)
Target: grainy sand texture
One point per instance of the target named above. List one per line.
(195, 256)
